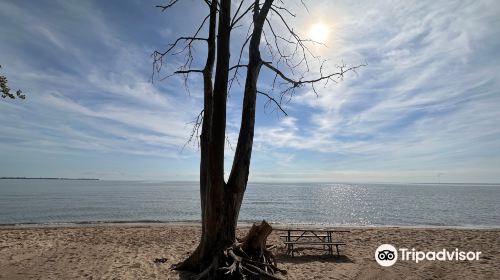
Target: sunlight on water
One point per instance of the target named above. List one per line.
(49, 201)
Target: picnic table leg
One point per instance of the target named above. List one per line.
(330, 241)
(290, 246)
(338, 254)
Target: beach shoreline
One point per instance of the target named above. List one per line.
(127, 251)
(240, 224)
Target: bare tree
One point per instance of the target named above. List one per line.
(5, 90)
(219, 254)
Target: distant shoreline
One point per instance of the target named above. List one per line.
(48, 178)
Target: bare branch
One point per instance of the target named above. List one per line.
(235, 75)
(284, 9)
(271, 99)
(305, 6)
(294, 83)
(236, 19)
(229, 143)
(279, 73)
(173, 45)
(188, 71)
(170, 4)
(237, 66)
(158, 57)
(195, 131)
(237, 10)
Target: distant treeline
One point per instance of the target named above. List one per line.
(48, 178)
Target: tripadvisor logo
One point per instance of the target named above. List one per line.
(387, 255)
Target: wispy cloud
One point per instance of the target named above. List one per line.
(426, 99)
(426, 102)
(82, 102)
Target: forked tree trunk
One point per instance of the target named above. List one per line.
(221, 201)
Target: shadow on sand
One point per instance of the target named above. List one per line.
(295, 260)
(183, 275)
(314, 258)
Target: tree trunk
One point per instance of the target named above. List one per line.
(219, 231)
(221, 202)
(220, 208)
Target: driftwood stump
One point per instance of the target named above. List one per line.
(248, 258)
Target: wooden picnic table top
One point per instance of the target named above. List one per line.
(314, 243)
(313, 230)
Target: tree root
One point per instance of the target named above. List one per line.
(248, 258)
(234, 263)
(250, 267)
(192, 263)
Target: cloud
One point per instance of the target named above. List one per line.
(423, 99)
(426, 102)
(90, 104)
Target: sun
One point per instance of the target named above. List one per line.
(319, 32)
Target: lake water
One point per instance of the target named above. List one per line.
(63, 201)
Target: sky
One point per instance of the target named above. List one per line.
(424, 109)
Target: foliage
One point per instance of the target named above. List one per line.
(5, 90)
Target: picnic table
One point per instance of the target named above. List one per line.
(312, 236)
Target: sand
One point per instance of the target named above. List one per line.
(128, 251)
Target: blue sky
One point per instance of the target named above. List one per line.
(425, 109)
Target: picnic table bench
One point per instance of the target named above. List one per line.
(310, 236)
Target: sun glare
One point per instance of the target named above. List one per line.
(319, 32)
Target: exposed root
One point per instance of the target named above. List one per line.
(248, 258)
(209, 271)
(250, 267)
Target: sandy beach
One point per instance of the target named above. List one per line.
(128, 251)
